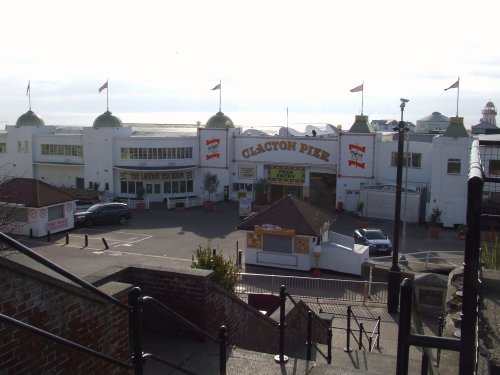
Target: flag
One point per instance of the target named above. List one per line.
(217, 87)
(105, 86)
(28, 88)
(454, 86)
(358, 88)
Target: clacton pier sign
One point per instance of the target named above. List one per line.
(285, 146)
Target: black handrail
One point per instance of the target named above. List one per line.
(54, 267)
(61, 340)
(281, 357)
(328, 356)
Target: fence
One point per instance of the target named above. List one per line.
(426, 260)
(343, 290)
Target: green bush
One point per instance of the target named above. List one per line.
(225, 270)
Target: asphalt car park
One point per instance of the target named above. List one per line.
(167, 238)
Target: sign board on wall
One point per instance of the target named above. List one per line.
(319, 151)
(287, 175)
(213, 147)
(356, 155)
(248, 172)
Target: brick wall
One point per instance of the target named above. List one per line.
(62, 309)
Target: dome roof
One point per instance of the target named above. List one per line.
(219, 121)
(107, 120)
(435, 117)
(490, 105)
(30, 118)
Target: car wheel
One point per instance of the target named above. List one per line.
(122, 220)
(88, 223)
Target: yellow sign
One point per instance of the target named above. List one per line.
(287, 175)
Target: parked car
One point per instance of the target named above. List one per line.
(378, 241)
(104, 213)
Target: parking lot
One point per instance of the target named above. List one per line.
(161, 237)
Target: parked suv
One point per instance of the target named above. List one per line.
(104, 213)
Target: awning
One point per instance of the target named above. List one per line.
(59, 164)
(157, 169)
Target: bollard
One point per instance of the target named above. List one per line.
(240, 253)
(31, 232)
(106, 247)
(86, 240)
(48, 236)
(67, 238)
(348, 330)
(214, 252)
(222, 349)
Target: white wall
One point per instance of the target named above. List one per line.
(449, 191)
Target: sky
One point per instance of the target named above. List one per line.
(162, 58)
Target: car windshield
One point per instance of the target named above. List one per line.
(375, 235)
(93, 208)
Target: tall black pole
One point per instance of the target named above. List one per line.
(394, 276)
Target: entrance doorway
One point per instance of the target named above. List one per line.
(322, 190)
(280, 191)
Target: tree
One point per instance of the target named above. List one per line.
(210, 184)
(225, 270)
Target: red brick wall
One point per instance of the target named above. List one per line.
(64, 310)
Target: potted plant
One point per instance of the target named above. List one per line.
(434, 222)
(140, 194)
(462, 231)
(210, 185)
(180, 206)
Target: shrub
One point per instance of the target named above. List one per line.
(225, 270)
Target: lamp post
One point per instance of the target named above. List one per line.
(394, 276)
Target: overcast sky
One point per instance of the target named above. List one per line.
(163, 58)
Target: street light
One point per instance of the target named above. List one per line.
(394, 276)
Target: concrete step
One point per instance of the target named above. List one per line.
(203, 358)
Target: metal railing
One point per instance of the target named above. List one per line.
(281, 357)
(373, 338)
(134, 308)
(336, 289)
(426, 260)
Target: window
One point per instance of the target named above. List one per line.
(412, 160)
(156, 153)
(453, 166)
(494, 167)
(61, 150)
(3, 148)
(56, 212)
(277, 244)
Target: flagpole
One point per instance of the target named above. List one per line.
(220, 95)
(458, 93)
(29, 94)
(107, 95)
(287, 122)
(362, 97)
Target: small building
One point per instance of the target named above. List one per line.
(29, 206)
(294, 234)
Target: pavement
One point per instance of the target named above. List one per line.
(165, 237)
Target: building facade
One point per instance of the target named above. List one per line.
(334, 171)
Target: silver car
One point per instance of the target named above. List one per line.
(375, 239)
